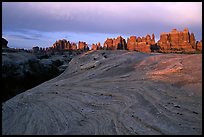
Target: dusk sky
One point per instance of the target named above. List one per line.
(28, 24)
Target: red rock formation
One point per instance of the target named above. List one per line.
(99, 46)
(119, 43)
(193, 40)
(73, 46)
(199, 45)
(63, 44)
(96, 46)
(140, 45)
(176, 41)
(143, 47)
(148, 39)
(114, 44)
(131, 43)
(139, 39)
(164, 42)
(83, 46)
(108, 44)
(60, 45)
(67, 46)
(143, 39)
(153, 39)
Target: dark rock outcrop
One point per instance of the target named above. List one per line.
(4, 43)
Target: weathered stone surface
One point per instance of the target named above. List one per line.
(143, 47)
(119, 43)
(199, 45)
(73, 46)
(148, 39)
(153, 39)
(131, 43)
(81, 45)
(140, 44)
(139, 39)
(164, 42)
(177, 41)
(68, 46)
(174, 39)
(108, 44)
(115, 43)
(124, 94)
(96, 46)
(193, 40)
(4, 43)
(60, 44)
(143, 39)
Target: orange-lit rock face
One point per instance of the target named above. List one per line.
(143, 39)
(119, 43)
(73, 46)
(81, 45)
(139, 39)
(199, 46)
(148, 39)
(193, 40)
(143, 47)
(174, 39)
(177, 41)
(108, 44)
(140, 44)
(68, 46)
(61, 45)
(153, 39)
(164, 42)
(131, 43)
(95, 47)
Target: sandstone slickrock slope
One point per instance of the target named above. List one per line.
(113, 92)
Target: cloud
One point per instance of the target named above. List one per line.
(98, 17)
(22, 37)
(122, 18)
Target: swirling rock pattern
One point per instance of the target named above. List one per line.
(118, 92)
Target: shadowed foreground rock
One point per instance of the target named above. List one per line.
(113, 92)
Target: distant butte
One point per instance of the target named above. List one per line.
(172, 42)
